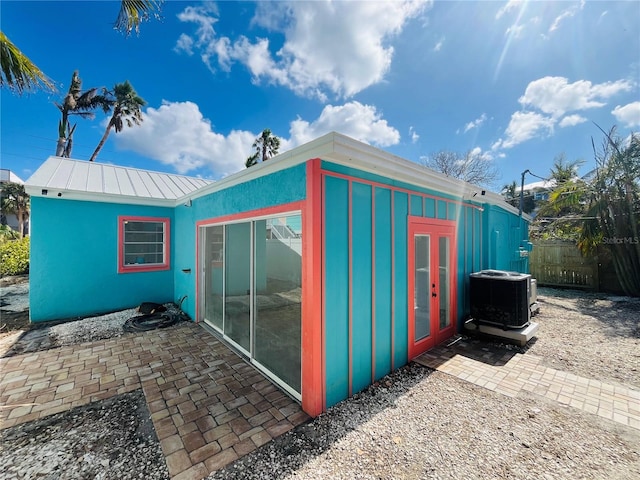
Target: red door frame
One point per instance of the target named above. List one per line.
(435, 228)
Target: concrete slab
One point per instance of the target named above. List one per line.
(519, 336)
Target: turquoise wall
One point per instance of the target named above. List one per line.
(282, 187)
(505, 234)
(372, 295)
(378, 292)
(74, 260)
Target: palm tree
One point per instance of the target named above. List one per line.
(20, 74)
(266, 146)
(16, 202)
(509, 190)
(563, 170)
(251, 160)
(603, 207)
(615, 204)
(82, 104)
(126, 109)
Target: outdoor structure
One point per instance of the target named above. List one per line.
(327, 266)
(7, 176)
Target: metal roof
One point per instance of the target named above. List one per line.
(94, 181)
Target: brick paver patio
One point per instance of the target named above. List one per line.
(208, 406)
(510, 373)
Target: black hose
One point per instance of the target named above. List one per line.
(152, 321)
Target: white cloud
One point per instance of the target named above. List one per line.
(524, 126)
(568, 13)
(177, 134)
(204, 17)
(438, 46)
(477, 123)
(556, 96)
(514, 31)
(507, 7)
(572, 120)
(356, 54)
(628, 114)
(414, 136)
(184, 44)
(361, 122)
(477, 152)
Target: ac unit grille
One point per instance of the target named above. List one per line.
(500, 298)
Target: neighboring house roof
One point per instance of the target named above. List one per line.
(7, 175)
(542, 184)
(84, 180)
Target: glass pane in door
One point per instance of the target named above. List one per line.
(213, 275)
(422, 291)
(278, 294)
(443, 280)
(237, 304)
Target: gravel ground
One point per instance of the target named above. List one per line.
(112, 439)
(591, 335)
(415, 423)
(421, 424)
(71, 333)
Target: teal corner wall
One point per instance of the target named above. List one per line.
(365, 262)
(506, 233)
(74, 260)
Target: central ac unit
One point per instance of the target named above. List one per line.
(501, 298)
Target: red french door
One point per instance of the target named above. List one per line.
(432, 283)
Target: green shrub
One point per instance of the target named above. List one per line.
(7, 233)
(14, 257)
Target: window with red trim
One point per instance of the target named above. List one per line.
(143, 244)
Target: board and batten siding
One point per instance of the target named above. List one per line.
(365, 271)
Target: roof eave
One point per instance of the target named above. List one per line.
(63, 194)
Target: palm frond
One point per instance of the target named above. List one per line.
(134, 12)
(18, 72)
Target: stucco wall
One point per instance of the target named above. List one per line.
(279, 188)
(74, 260)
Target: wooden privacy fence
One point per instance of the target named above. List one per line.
(560, 264)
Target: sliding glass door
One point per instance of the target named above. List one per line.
(237, 298)
(252, 289)
(278, 287)
(213, 284)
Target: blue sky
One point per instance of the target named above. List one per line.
(516, 82)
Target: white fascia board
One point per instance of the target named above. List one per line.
(337, 148)
(318, 148)
(52, 193)
(370, 159)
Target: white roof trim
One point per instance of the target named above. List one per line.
(109, 183)
(343, 150)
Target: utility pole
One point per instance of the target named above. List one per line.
(522, 190)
